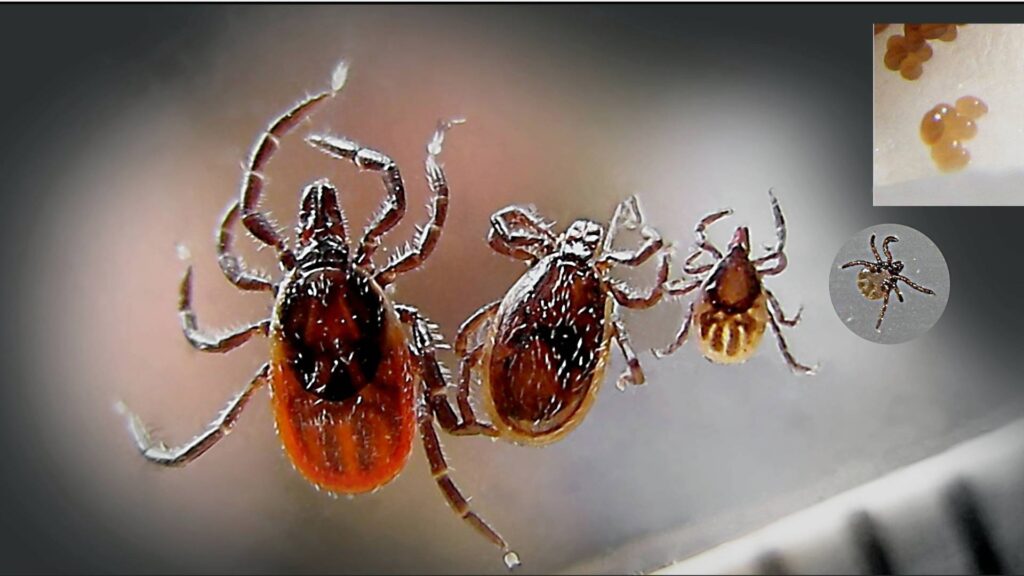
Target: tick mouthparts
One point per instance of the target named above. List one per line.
(741, 237)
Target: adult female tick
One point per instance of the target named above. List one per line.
(349, 387)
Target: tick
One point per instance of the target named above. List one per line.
(733, 306)
(540, 352)
(877, 279)
(349, 387)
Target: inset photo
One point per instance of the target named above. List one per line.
(889, 284)
(948, 110)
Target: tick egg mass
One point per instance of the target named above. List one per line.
(906, 53)
(944, 128)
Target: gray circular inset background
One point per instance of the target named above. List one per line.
(923, 264)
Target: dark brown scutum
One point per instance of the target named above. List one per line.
(333, 327)
(734, 285)
(547, 348)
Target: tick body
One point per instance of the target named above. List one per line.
(343, 380)
(353, 375)
(733, 307)
(731, 312)
(549, 346)
(871, 284)
(878, 279)
(540, 351)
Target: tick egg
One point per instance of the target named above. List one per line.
(944, 129)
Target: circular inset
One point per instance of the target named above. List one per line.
(889, 284)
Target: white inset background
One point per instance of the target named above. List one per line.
(985, 60)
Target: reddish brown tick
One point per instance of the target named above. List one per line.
(733, 307)
(540, 351)
(349, 387)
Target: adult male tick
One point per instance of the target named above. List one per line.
(540, 351)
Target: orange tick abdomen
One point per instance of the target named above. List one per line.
(342, 380)
(547, 354)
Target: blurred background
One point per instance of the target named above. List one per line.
(125, 131)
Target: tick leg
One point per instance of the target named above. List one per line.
(423, 349)
(691, 269)
(634, 373)
(881, 315)
(391, 210)
(230, 264)
(682, 287)
(703, 245)
(780, 315)
(885, 248)
(427, 237)
(159, 453)
(252, 187)
(783, 347)
(458, 502)
(472, 325)
(684, 329)
(652, 243)
(874, 251)
(872, 265)
(781, 261)
(435, 381)
(469, 360)
(470, 425)
(776, 253)
(913, 284)
(518, 232)
(631, 298)
(628, 215)
(205, 342)
(896, 289)
(701, 232)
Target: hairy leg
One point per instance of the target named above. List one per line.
(684, 330)
(231, 264)
(427, 237)
(159, 453)
(205, 342)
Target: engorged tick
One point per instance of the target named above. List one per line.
(733, 306)
(540, 351)
(879, 278)
(347, 383)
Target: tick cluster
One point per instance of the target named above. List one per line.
(355, 376)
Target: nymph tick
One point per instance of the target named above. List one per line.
(733, 306)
